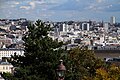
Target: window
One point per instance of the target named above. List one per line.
(3, 67)
(6, 68)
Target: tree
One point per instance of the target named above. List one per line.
(81, 63)
(8, 76)
(41, 54)
(110, 73)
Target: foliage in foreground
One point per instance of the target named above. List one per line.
(110, 73)
(82, 62)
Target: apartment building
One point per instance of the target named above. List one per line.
(5, 67)
(8, 52)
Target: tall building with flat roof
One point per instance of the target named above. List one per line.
(85, 26)
(106, 26)
(112, 20)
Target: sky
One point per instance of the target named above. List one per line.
(61, 10)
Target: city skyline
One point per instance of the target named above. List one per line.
(60, 10)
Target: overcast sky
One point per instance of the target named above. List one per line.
(61, 10)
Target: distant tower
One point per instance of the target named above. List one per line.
(106, 26)
(64, 27)
(112, 20)
(12, 23)
(85, 26)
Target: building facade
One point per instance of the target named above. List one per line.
(8, 52)
(6, 67)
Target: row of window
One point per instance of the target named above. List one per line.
(6, 68)
(8, 52)
(6, 55)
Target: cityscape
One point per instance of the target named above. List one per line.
(90, 27)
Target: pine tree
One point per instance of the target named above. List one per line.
(41, 54)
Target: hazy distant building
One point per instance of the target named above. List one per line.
(85, 26)
(56, 31)
(106, 26)
(63, 27)
(112, 20)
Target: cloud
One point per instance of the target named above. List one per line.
(104, 6)
(40, 2)
(29, 5)
(32, 4)
(99, 1)
(16, 3)
(109, 6)
(44, 9)
(12, 6)
(113, 8)
(63, 9)
(25, 7)
(71, 5)
(94, 8)
(77, 0)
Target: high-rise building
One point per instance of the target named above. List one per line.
(112, 20)
(106, 26)
(85, 26)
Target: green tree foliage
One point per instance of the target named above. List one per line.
(8, 76)
(41, 54)
(81, 63)
(110, 73)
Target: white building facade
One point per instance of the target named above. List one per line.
(8, 52)
(6, 67)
